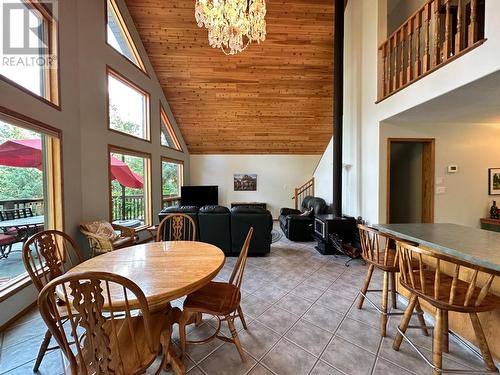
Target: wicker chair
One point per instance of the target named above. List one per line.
(464, 289)
(103, 236)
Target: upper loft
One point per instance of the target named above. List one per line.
(428, 48)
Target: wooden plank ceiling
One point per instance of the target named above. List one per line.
(273, 98)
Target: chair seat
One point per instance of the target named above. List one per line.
(123, 242)
(7, 239)
(214, 298)
(134, 362)
(490, 302)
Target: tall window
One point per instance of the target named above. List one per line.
(172, 178)
(30, 191)
(128, 107)
(129, 186)
(28, 55)
(118, 36)
(168, 137)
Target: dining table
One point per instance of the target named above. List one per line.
(22, 222)
(164, 271)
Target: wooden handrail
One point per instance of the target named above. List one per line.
(303, 191)
(439, 31)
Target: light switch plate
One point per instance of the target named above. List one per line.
(439, 180)
(440, 189)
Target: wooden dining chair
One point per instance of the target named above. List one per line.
(378, 250)
(176, 227)
(219, 299)
(448, 284)
(108, 318)
(47, 255)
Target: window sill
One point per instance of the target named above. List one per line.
(14, 286)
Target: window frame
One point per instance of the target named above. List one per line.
(165, 159)
(128, 37)
(147, 112)
(164, 118)
(52, 83)
(148, 217)
(55, 181)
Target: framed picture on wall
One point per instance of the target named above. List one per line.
(494, 181)
(245, 182)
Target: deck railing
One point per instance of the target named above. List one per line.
(36, 204)
(171, 201)
(128, 207)
(441, 30)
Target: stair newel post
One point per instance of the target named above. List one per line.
(296, 199)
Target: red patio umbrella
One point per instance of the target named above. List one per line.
(27, 153)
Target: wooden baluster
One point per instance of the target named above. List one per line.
(418, 28)
(384, 70)
(402, 57)
(409, 44)
(459, 35)
(426, 58)
(437, 30)
(448, 49)
(473, 27)
(394, 64)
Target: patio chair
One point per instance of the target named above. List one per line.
(47, 255)
(105, 237)
(6, 242)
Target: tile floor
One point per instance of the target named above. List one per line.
(302, 319)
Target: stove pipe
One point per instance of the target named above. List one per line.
(338, 104)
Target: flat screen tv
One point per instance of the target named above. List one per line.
(199, 195)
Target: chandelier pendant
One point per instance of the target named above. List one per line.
(232, 24)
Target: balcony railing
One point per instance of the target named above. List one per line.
(131, 207)
(438, 32)
(36, 204)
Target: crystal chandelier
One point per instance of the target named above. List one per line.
(232, 24)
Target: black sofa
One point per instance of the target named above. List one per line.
(227, 229)
(300, 228)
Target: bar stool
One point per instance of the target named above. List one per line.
(445, 293)
(377, 252)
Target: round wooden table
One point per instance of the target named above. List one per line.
(164, 271)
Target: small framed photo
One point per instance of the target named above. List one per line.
(494, 181)
(245, 182)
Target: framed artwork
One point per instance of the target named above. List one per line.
(494, 181)
(245, 182)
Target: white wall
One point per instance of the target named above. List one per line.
(365, 29)
(473, 147)
(277, 176)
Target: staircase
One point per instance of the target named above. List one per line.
(303, 191)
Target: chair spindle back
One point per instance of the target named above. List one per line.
(376, 247)
(237, 274)
(101, 319)
(451, 289)
(49, 254)
(176, 227)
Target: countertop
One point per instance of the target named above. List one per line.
(477, 246)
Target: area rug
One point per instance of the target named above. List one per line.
(276, 236)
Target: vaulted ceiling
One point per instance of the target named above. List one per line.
(275, 97)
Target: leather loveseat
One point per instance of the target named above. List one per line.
(299, 227)
(228, 229)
